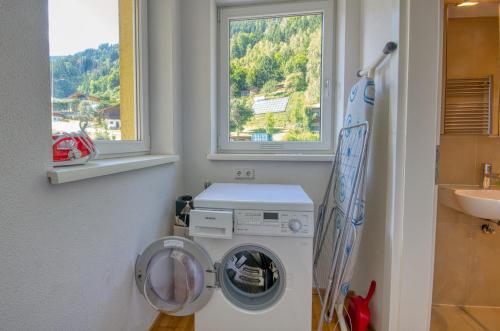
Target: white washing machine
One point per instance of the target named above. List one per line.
(248, 267)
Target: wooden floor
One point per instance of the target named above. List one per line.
(171, 323)
(464, 318)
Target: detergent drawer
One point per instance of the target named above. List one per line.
(209, 223)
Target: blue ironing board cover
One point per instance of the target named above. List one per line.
(359, 110)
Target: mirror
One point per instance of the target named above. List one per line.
(471, 65)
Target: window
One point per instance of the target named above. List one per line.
(97, 66)
(275, 78)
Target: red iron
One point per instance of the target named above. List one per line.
(72, 148)
(358, 310)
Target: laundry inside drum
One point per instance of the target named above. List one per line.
(252, 272)
(253, 277)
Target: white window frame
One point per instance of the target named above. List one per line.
(226, 14)
(141, 146)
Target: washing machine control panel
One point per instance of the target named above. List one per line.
(277, 223)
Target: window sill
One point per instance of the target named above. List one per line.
(272, 157)
(97, 168)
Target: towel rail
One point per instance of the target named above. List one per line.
(468, 105)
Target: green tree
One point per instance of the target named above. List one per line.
(240, 42)
(313, 76)
(297, 63)
(270, 86)
(294, 25)
(241, 112)
(296, 82)
(273, 31)
(238, 78)
(86, 111)
(263, 69)
(270, 123)
(297, 110)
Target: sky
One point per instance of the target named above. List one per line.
(75, 25)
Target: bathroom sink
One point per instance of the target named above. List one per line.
(479, 203)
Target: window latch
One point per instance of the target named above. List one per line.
(327, 87)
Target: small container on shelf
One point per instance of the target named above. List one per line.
(181, 231)
(183, 206)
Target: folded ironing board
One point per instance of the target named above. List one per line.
(342, 213)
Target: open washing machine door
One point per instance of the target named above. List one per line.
(175, 275)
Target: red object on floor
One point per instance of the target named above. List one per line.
(358, 310)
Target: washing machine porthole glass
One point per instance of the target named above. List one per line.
(252, 277)
(175, 277)
(172, 273)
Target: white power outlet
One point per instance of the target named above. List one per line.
(244, 173)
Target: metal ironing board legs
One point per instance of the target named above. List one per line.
(337, 222)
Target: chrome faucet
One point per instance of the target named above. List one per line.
(488, 175)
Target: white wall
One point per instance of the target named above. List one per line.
(417, 135)
(198, 69)
(378, 26)
(68, 251)
(198, 89)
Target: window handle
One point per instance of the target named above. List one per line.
(327, 86)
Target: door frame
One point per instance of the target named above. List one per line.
(414, 197)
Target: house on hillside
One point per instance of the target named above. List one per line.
(112, 117)
(64, 107)
(84, 97)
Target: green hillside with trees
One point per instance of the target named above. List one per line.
(275, 58)
(269, 58)
(93, 72)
